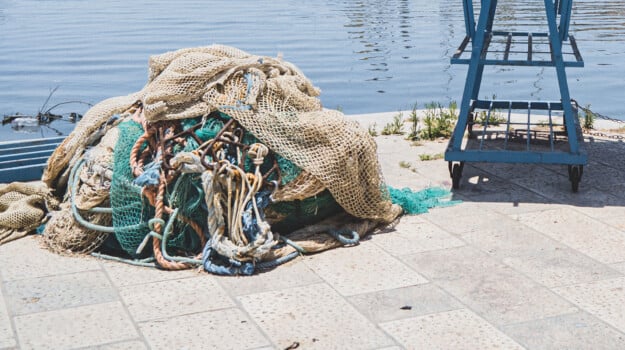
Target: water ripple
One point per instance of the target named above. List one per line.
(366, 55)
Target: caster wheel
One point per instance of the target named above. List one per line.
(575, 176)
(456, 174)
(470, 123)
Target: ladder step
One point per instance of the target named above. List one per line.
(518, 49)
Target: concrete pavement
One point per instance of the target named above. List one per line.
(522, 262)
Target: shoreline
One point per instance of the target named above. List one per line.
(381, 118)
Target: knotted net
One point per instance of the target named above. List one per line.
(223, 159)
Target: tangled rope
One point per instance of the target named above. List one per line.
(221, 160)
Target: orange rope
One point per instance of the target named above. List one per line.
(151, 197)
(156, 199)
(156, 243)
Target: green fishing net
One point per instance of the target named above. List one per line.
(418, 202)
(130, 212)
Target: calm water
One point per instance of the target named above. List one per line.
(366, 55)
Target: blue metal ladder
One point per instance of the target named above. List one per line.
(486, 43)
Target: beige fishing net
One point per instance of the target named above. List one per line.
(63, 234)
(274, 101)
(22, 208)
(223, 159)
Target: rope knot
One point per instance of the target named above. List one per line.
(257, 153)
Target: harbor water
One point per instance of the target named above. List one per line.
(365, 55)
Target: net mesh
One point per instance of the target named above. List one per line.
(130, 212)
(64, 235)
(273, 100)
(22, 208)
(218, 151)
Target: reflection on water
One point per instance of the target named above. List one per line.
(380, 29)
(366, 55)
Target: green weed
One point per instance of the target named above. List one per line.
(438, 122)
(414, 119)
(426, 157)
(394, 127)
(372, 129)
(589, 118)
(404, 164)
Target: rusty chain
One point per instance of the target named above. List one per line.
(600, 116)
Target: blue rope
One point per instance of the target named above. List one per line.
(101, 210)
(279, 261)
(166, 232)
(149, 262)
(294, 245)
(150, 176)
(339, 236)
(248, 79)
(72, 181)
(75, 173)
(235, 268)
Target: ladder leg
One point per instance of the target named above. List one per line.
(565, 18)
(474, 73)
(491, 14)
(469, 17)
(570, 119)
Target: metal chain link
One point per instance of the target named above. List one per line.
(600, 116)
(602, 134)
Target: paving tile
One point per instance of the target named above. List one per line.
(573, 331)
(394, 304)
(285, 276)
(316, 316)
(607, 152)
(553, 183)
(484, 184)
(127, 345)
(411, 178)
(617, 219)
(362, 269)
(604, 299)
(538, 256)
(124, 275)
(525, 202)
(488, 190)
(413, 235)
(490, 288)
(25, 258)
(505, 171)
(469, 221)
(222, 329)
(611, 208)
(438, 215)
(76, 327)
(456, 329)
(591, 237)
(58, 292)
(434, 171)
(166, 299)
(408, 178)
(619, 267)
(7, 339)
(611, 178)
(394, 154)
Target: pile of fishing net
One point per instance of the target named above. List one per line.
(225, 160)
(23, 206)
